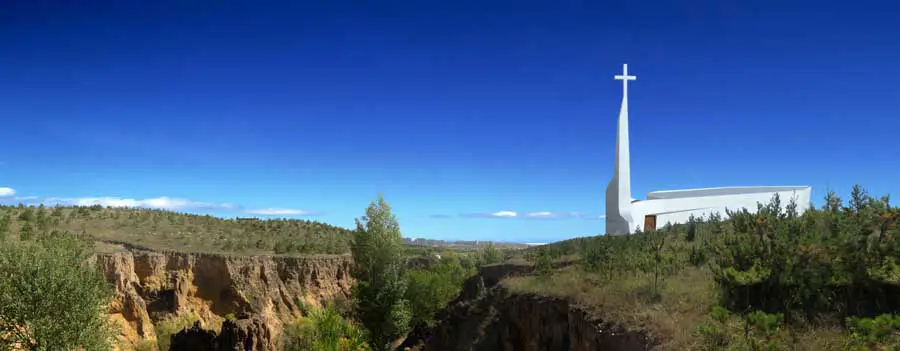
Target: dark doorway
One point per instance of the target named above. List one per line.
(649, 223)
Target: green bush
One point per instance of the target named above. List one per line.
(489, 255)
(51, 297)
(838, 260)
(874, 333)
(430, 289)
(755, 331)
(172, 325)
(26, 232)
(324, 330)
(543, 264)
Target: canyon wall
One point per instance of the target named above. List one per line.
(154, 285)
(487, 316)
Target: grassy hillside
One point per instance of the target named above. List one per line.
(826, 280)
(177, 231)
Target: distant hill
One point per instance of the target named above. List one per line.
(161, 229)
(462, 244)
(168, 230)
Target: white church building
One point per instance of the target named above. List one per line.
(625, 214)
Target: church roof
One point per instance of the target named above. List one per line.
(734, 190)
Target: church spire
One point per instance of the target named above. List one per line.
(618, 193)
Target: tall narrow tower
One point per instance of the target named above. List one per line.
(618, 193)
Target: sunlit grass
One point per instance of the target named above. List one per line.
(671, 315)
(629, 301)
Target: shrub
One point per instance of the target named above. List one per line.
(324, 330)
(165, 328)
(51, 298)
(874, 333)
(755, 331)
(490, 255)
(5, 222)
(543, 264)
(430, 289)
(26, 232)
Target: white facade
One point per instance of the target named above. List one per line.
(625, 214)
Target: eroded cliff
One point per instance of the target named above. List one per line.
(487, 316)
(152, 285)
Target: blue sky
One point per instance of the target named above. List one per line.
(450, 108)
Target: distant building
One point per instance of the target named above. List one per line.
(625, 214)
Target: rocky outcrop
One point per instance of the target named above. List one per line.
(486, 316)
(153, 285)
(245, 334)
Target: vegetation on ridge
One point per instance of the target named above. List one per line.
(771, 280)
(178, 231)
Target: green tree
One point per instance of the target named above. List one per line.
(692, 228)
(380, 272)
(51, 297)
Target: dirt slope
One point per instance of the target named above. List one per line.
(152, 285)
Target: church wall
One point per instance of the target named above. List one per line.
(678, 210)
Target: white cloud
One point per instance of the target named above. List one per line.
(543, 214)
(529, 215)
(163, 202)
(279, 212)
(498, 214)
(7, 192)
(548, 214)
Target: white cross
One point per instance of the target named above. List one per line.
(625, 78)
